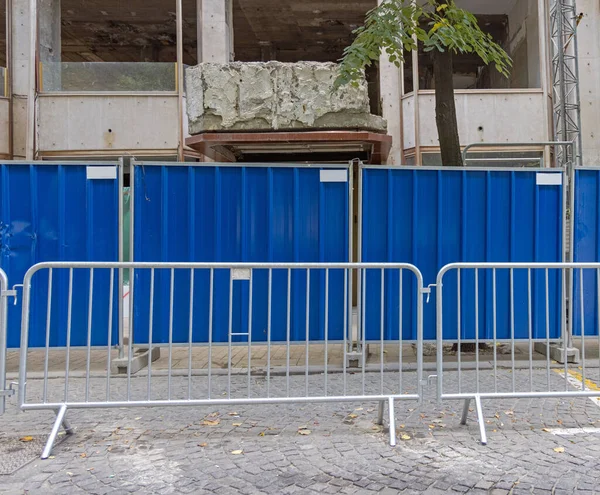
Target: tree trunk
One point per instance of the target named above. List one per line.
(445, 109)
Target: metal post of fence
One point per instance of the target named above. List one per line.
(122, 241)
(3, 339)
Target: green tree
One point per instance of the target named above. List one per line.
(444, 29)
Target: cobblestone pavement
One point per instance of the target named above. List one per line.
(534, 447)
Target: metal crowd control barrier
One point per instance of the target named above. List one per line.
(306, 364)
(513, 308)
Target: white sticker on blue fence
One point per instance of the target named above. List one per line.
(543, 179)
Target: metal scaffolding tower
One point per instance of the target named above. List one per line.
(565, 80)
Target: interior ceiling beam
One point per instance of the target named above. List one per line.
(271, 21)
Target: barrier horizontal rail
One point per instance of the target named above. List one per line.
(309, 364)
(544, 299)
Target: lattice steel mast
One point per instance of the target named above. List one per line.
(565, 80)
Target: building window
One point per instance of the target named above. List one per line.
(514, 25)
(120, 46)
(3, 48)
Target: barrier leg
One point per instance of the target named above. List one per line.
(60, 420)
(480, 419)
(67, 427)
(465, 413)
(392, 422)
(380, 415)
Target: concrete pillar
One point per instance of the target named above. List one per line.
(215, 31)
(21, 82)
(49, 22)
(390, 91)
(389, 87)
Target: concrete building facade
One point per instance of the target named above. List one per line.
(102, 78)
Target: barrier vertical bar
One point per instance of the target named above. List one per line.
(150, 333)
(440, 336)
(495, 329)
(48, 320)
(210, 329)
(512, 327)
(190, 334)
(3, 338)
(249, 379)
(326, 324)
(419, 337)
(89, 335)
(458, 327)
(548, 328)
(529, 319)
(269, 297)
(288, 330)
(381, 328)
(171, 302)
(111, 292)
(582, 316)
(69, 323)
(307, 329)
(400, 331)
(121, 241)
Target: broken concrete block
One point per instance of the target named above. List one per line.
(275, 96)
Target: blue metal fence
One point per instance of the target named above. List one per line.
(586, 248)
(432, 217)
(235, 213)
(59, 212)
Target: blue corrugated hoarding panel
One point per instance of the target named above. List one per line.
(214, 213)
(586, 248)
(51, 212)
(431, 218)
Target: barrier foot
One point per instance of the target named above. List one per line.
(480, 419)
(465, 413)
(380, 414)
(60, 420)
(392, 422)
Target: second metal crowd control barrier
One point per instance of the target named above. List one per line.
(237, 334)
(517, 309)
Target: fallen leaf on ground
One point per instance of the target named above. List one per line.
(237, 452)
(353, 416)
(405, 437)
(261, 434)
(237, 424)
(359, 409)
(559, 450)
(402, 427)
(303, 427)
(83, 455)
(233, 414)
(213, 415)
(546, 430)
(26, 439)
(208, 422)
(304, 432)
(202, 444)
(509, 413)
(69, 473)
